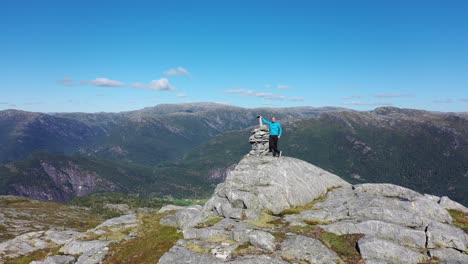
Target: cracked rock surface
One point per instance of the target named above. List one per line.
(75, 247)
(288, 211)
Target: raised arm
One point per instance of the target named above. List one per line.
(266, 121)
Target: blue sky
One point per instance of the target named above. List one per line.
(92, 56)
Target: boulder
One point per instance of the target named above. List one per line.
(257, 259)
(169, 220)
(60, 237)
(56, 260)
(127, 220)
(178, 254)
(267, 183)
(383, 202)
(443, 235)
(189, 216)
(170, 207)
(27, 243)
(78, 247)
(307, 249)
(396, 233)
(376, 250)
(448, 204)
(449, 256)
(94, 256)
(262, 239)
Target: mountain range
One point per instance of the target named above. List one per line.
(183, 150)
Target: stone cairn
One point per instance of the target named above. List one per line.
(259, 140)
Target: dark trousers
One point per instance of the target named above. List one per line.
(273, 145)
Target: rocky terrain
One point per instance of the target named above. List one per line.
(268, 210)
(284, 210)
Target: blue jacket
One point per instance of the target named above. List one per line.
(275, 128)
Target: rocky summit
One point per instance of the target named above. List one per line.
(268, 210)
(284, 210)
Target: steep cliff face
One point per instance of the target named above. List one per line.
(61, 182)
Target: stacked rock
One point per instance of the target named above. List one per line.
(259, 141)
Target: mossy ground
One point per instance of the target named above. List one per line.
(36, 255)
(116, 234)
(210, 222)
(152, 242)
(42, 215)
(308, 206)
(246, 249)
(460, 219)
(343, 245)
(266, 219)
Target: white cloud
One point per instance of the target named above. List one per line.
(268, 96)
(253, 93)
(177, 71)
(391, 95)
(66, 81)
(354, 96)
(182, 95)
(161, 85)
(295, 99)
(443, 101)
(267, 86)
(33, 103)
(104, 82)
(367, 103)
(157, 85)
(282, 86)
(8, 104)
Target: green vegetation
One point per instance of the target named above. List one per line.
(97, 202)
(308, 206)
(266, 219)
(121, 177)
(197, 248)
(460, 219)
(433, 260)
(152, 242)
(41, 215)
(279, 236)
(210, 222)
(246, 249)
(36, 255)
(344, 245)
(158, 153)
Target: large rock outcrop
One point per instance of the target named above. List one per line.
(284, 210)
(266, 183)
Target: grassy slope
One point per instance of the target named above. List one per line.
(152, 242)
(22, 215)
